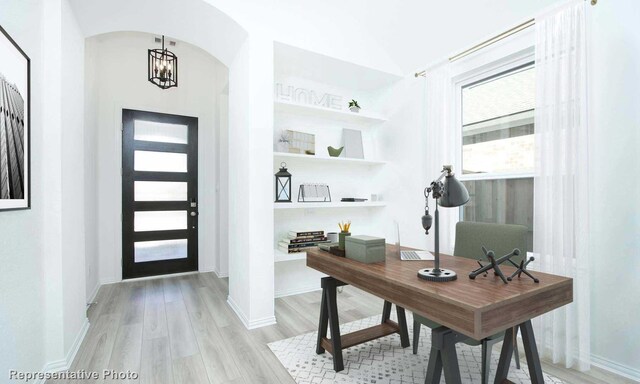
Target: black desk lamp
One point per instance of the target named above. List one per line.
(450, 193)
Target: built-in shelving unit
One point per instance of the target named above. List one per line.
(362, 117)
(283, 156)
(306, 86)
(330, 205)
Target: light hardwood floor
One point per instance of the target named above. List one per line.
(181, 330)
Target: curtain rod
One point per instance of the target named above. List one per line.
(490, 41)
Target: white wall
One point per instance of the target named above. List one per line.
(64, 298)
(92, 260)
(222, 187)
(21, 241)
(250, 158)
(52, 166)
(72, 173)
(402, 142)
(117, 77)
(326, 27)
(43, 309)
(614, 75)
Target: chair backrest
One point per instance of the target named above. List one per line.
(499, 238)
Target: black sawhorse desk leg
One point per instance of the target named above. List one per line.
(443, 356)
(329, 318)
(530, 350)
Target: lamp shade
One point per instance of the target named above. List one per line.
(454, 193)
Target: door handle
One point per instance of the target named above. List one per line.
(194, 213)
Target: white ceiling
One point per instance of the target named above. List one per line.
(396, 36)
(393, 36)
(415, 33)
(191, 21)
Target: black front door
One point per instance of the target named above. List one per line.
(159, 193)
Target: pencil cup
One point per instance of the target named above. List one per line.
(341, 237)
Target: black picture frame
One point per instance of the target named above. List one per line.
(15, 159)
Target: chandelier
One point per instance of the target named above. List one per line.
(163, 67)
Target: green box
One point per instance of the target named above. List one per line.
(365, 249)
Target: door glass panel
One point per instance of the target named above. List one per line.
(159, 220)
(160, 191)
(160, 132)
(160, 161)
(160, 250)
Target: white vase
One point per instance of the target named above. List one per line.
(354, 109)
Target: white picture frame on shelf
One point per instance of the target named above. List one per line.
(352, 139)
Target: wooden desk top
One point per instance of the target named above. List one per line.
(476, 308)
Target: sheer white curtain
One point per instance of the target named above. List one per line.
(561, 194)
(440, 146)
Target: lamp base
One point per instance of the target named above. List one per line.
(440, 275)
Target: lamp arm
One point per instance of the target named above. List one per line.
(439, 179)
(446, 171)
(436, 185)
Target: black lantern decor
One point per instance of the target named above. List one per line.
(283, 185)
(163, 67)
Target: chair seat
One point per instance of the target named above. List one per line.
(469, 341)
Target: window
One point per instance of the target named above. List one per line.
(498, 147)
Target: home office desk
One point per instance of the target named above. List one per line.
(466, 308)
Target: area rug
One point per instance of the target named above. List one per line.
(382, 361)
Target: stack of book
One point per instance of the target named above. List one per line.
(300, 241)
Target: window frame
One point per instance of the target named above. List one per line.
(496, 68)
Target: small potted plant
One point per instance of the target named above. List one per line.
(353, 106)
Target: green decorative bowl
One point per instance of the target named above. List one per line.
(334, 152)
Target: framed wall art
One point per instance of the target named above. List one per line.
(15, 125)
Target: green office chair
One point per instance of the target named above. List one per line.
(470, 237)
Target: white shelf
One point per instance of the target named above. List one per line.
(334, 204)
(281, 256)
(363, 117)
(319, 159)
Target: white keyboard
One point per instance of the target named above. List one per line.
(415, 255)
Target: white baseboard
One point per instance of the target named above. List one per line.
(55, 366)
(92, 297)
(65, 364)
(264, 322)
(220, 275)
(250, 324)
(109, 281)
(71, 355)
(297, 291)
(617, 368)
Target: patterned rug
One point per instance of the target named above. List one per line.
(382, 361)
